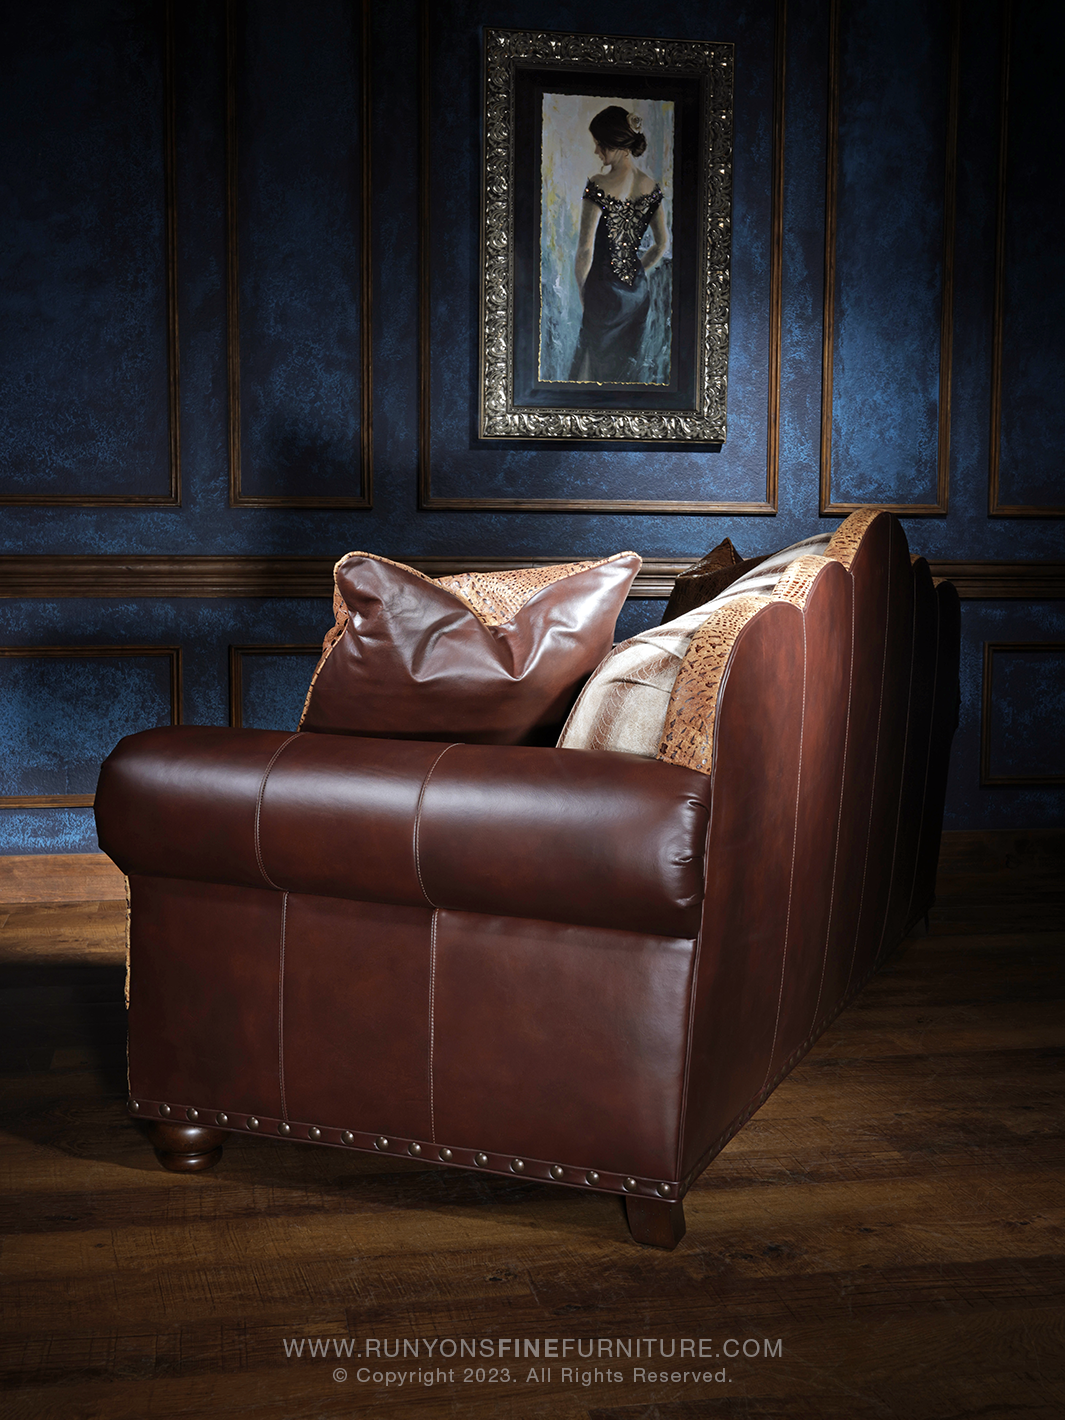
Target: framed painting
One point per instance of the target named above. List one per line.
(605, 238)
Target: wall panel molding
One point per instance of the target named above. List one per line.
(82, 575)
(236, 672)
(238, 498)
(172, 498)
(171, 653)
(427, 499)
(829, 506)
(988, 776)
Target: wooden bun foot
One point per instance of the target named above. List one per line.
(186, 1148)
(655, 1223)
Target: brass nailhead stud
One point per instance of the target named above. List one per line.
(284, 1129)
(480, 1160)
(221, 1119)
(134, 1104)
(446, 1156)
(314, 1132)
(517, 1165)
(591, 1177)
(253, 1123)
(414, 1149)
(347, 1137)
(164, 1109)
(192, 1113)
(629, 1185)
(664, 1189)
(380, 1142)
(557, 1170)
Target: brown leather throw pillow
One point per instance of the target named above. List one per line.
(482, 657)
(706, 579)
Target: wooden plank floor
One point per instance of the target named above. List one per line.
(890, 1223)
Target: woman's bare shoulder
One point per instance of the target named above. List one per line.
(642, 183)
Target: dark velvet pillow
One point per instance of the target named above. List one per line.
(701, 583)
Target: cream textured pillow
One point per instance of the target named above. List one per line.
(623, 707)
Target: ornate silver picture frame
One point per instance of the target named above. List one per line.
(643, 354)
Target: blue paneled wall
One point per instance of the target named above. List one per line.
(84, 380)
(216, 223)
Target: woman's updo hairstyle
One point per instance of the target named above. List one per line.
(614, 127)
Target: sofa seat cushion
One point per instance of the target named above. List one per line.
(488, 658)
(594, 840)
(623, 707)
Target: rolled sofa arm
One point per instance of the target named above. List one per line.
(585, 837)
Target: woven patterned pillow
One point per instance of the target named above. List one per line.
(623, 707)
(482, 657)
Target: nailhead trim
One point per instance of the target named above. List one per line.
(543, 1170)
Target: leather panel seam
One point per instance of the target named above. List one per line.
(418, 824)
(432, 1023)
(794, 853)
(839, 816)
(281, 1009)
(259, 809)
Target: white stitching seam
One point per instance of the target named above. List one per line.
(432, 1021)
(839, 819)
(259, 809)
(418, 822)
(794, 851)
(281, 1009)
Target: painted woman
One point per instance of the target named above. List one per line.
(618, 207)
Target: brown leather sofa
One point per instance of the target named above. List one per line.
(582, 967)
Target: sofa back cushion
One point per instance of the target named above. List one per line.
(623, 706)
(486, 658)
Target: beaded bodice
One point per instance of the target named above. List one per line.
(626, 218)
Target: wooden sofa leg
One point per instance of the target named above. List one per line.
(654, 1222)
(186, 1148)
